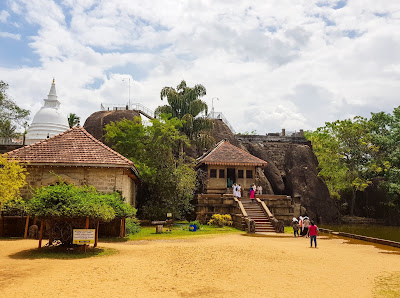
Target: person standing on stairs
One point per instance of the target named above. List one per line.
(252, 194)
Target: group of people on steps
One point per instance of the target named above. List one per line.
(237, 191)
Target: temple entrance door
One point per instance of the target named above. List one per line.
(230, 177)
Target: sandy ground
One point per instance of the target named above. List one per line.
(222, 266)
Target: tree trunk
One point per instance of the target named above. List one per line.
(353, 201)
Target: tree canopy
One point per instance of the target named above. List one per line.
(12, 178)
(70, 201)
(353, 152)
(11, 115)
(168, 178)
(73, 120)
(185, 104)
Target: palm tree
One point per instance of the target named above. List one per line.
(73, 120)
(184, 103)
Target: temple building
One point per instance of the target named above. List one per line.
(76, 157)
(227, 164)
(48, 121)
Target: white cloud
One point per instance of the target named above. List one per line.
(272, 64)
(10, 35)
(4, 16)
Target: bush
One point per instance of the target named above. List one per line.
(220, 220)
(16, 206)
(132, 226)
(195, 223)
(70, 201)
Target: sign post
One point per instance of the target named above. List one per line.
(84, 236)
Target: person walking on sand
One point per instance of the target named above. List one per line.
(301, 225)
(295, 225)
(306, 224)
(313, 232)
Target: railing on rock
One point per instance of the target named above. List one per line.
(219, 115)
(133, 106)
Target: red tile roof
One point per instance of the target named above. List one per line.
(74, 147)
(227, 154)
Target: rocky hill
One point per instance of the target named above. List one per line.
(291, 170)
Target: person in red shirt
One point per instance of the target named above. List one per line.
(313, 232)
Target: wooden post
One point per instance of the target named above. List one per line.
(51, 233)
(41, 233)
(96, 234)
(86, 227)
(121, 232)
(26, 227)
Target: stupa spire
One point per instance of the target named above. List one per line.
(52, 94)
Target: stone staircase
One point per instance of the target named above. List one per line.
(256, 213)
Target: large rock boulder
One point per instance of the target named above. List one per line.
(271, 172)
(302, 181)
(96, 123)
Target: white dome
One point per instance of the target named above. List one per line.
(49, 121)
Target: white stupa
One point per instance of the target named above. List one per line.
(49, 121)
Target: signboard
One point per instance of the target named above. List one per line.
(169, 214)
(83, 236)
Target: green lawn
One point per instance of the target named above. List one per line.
(180, 231)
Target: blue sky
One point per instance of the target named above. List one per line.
(272, 64)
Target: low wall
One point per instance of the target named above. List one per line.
(281, 206)
(363, 238)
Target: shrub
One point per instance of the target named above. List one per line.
(16, 206)
(195, 223)
(70, 201)
(132, 226)
(220, 220)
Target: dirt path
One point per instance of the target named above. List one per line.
(221, 266)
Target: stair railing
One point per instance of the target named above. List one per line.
(250, 224)
(278, 225)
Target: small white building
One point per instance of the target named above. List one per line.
(48, 121)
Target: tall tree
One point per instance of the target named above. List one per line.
(11, 115)
(385, 132)
(346, 155)
(73, 120)
(168, 181)
(185, 103)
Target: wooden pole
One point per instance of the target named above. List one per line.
(121, 232)
(86, 227)
(51, 233)
(124, 226)
(26, 227)
(41, 233)
(96, 235)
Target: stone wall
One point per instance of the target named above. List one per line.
(105, 180)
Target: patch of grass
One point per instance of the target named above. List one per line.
(388, 285)
(289, 230)
(180, 231)
(55, 253)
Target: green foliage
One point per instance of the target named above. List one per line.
(220, 220)
(15, 206)
(185, 104)
(195, 223)
(168, 179)
(12, 178)
(132, 226)
(354, 151)
(73, 120)
(69, 201)
(10, 114)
